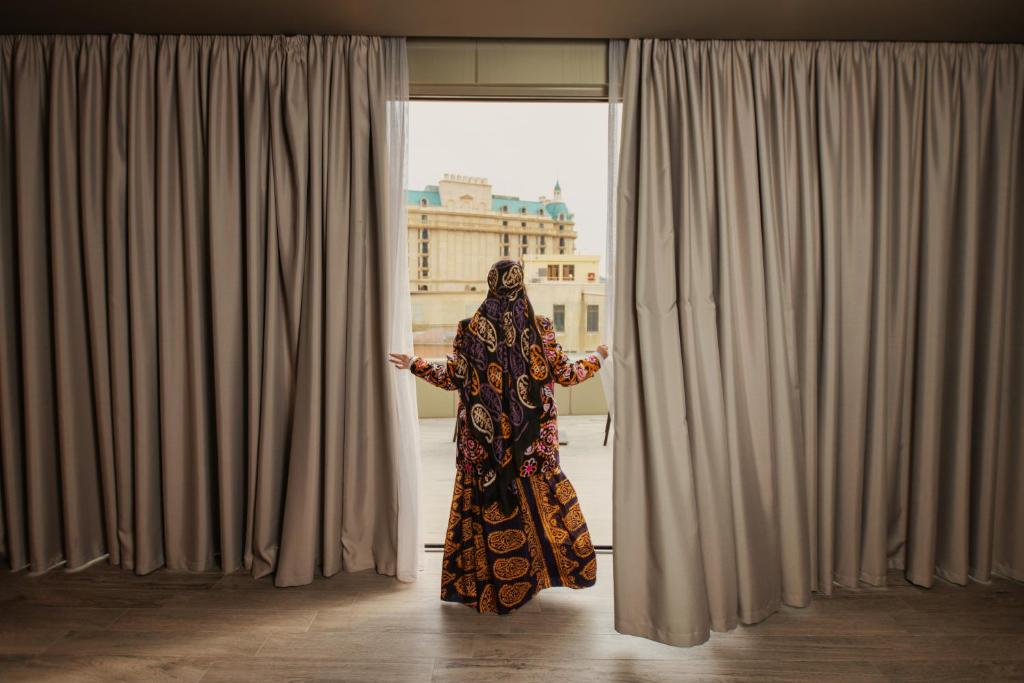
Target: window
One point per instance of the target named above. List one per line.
(504, 250)
(593, 317)
(523, 251)
(561, 227)
(424, 273)
(558, 317)
(423, 248)
(424, 234)
(423, 202)
(568, 272)
(424, 262)
(421, 288)
(540, 212)
(504, 224)
(504, 209)
(561, 216)
(541, 251)
(504, 238)
(523, 210)
(542, 239)
(423, 217)
(552, 271)
(524, 239)
(540, 225)
(523, 224)
(561, 241)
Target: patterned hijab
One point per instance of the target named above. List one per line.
(506, 371)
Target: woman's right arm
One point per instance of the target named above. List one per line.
(442, 375)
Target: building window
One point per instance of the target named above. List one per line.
(504, 238)
(561, 227)
(568, 272)
(558, 317)
(423, 248)
(561, 216)
(552, 271)
(504, 250)
(561, 250)
(421, 288)
(540, 212)
(424, 273)
(504, 224)
(542, 239)
(523, 224)
(522, 210)
(593, 318)
(423, 218)
(524, 239)
(423, 202)
(542, 250)
(540, 225)
(504, 209)
(523, 251)
(424, 233)
(424, 261)
(561, 241)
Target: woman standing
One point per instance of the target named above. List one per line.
(515, 526)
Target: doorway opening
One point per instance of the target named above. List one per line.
(519, 179)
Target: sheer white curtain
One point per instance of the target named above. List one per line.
(410, 546)
(616, 55)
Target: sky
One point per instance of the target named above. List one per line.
(522, 148)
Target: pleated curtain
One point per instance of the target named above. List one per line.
(198, 238)
(819, 324)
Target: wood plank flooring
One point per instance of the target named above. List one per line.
(105, 624)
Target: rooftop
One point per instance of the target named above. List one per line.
(511, 204)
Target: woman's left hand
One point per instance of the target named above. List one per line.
(400, 360)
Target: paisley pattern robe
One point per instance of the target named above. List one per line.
(495, 562)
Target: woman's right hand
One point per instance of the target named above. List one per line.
(400, 360)
(603, 350)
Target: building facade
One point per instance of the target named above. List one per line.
(458, 227)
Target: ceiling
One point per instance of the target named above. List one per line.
(928, 20)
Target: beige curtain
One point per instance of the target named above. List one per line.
(194, 256)
(819, 320)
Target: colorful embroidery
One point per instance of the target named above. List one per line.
(495, 562)
(509, 568)
(506, 541)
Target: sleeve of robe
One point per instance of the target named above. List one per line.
(441, 375)
(566, 372)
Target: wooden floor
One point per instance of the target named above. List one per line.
(106, 624)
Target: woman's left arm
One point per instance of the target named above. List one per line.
(568, 372)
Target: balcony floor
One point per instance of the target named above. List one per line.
(584, 460)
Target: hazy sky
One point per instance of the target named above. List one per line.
(521, 148)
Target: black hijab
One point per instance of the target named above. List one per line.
(506, 371)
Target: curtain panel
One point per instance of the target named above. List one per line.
(197, 267)
(819, 318)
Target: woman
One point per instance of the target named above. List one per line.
(515, 527)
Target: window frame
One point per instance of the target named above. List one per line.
(556, 311)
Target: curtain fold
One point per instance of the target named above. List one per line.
(817, 324)
(196, 247)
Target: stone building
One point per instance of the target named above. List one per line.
(458, 227)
